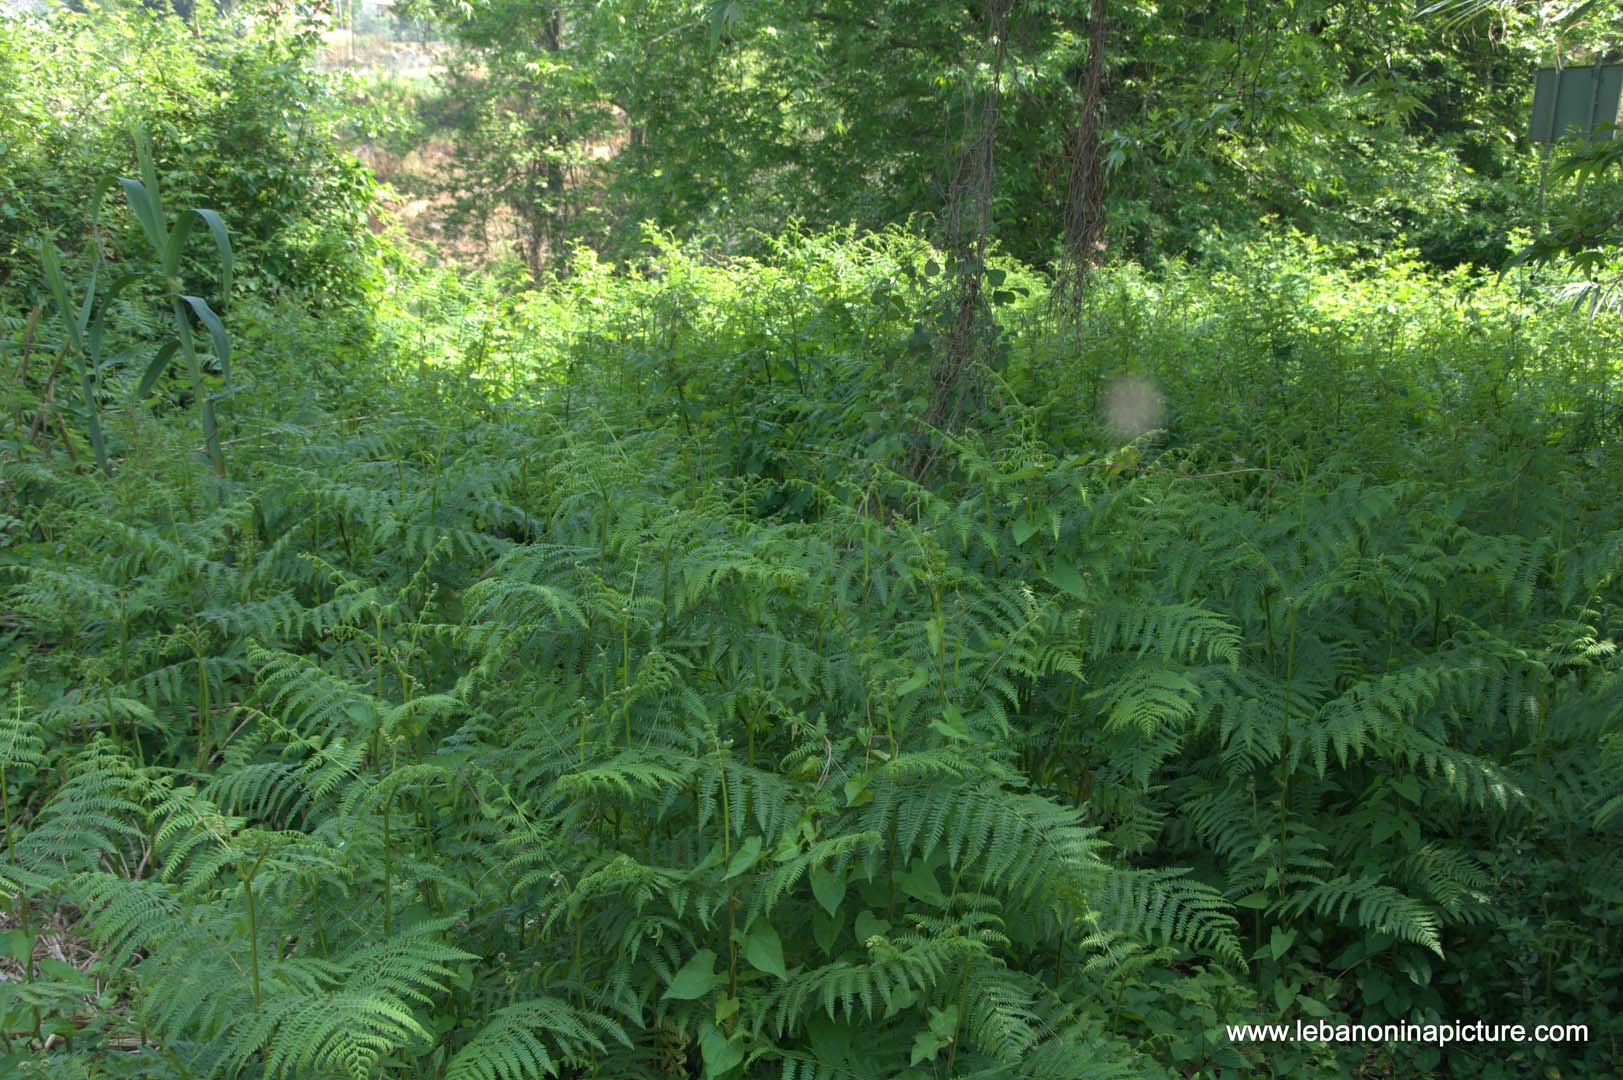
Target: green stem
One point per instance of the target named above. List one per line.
(958, 1024)
(1284, 744)
(388, 872)
(28, 965)
(204, 726)
(321, 925)
(253, 933)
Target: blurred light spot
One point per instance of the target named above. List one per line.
(1132, 406)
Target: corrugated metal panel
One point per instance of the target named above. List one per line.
(1575, 99)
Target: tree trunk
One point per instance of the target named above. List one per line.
(1085, 203)
(968, 228)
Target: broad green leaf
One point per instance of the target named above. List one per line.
(926, 1045)
(856, 791)
(1284, 994)
(919, 679)
(1067, 578)
(363, 713)
(149, 175)
(721, 1054)
(829, 887)
(744, 857)
(918, 881)
(17, 944)
(696, 978)
(952, 724)
(764, 949)
(175, 246)
(1312, 1006)
(723, 14)
(825, 930)
(870, 925)
(1575, 14)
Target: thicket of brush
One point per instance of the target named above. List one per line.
(585, 681)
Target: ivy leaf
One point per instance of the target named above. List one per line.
(1066, 578)
(825, 931)
(919, 882)
(925, 1047)
(764, 949)
(696, 979)
(943, 1025)
(743, 858)
(17, 944)
(870, 925)
(829, 888)
(1312, 1006)
(720, 1053)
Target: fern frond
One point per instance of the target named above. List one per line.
(1379, 908)
(532, 1039)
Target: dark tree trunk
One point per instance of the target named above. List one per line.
(968, 228)
(1085, 203)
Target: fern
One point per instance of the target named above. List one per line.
(513, 1045)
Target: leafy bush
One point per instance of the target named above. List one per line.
(238, 121)
(614, 701)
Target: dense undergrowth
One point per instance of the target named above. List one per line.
(613, 696)
(584, 681)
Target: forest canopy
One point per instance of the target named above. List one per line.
(809, 539)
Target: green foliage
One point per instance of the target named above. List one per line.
(1365, 124)
(640, 714)
(239, 123)
(581, 681)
